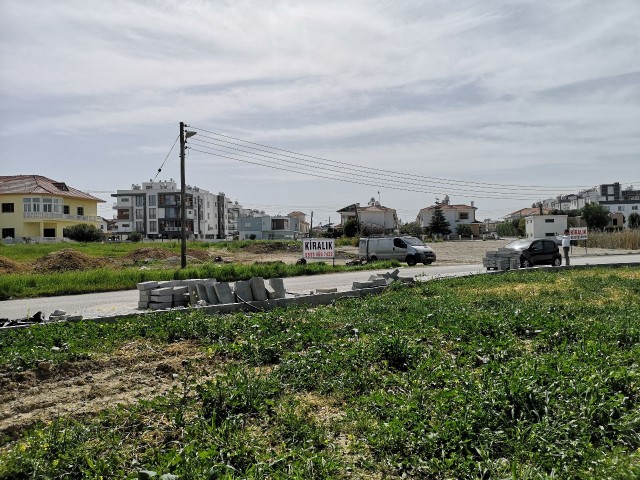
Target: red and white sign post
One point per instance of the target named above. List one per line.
(318, 248)
(579, 233)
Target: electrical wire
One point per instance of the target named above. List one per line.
(347, 180)
(165, 158)
(439, 179)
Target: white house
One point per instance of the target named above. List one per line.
(545, 225)
(374, 216)
(454, 214)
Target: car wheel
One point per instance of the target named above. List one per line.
(429, 262)
(411, 260)
(526, 263)
(373, 258)
(557, 261)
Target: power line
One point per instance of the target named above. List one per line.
(347, 180)
(439, 179)
(165, 158)
(375, 176)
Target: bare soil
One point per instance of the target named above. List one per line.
(136, 371)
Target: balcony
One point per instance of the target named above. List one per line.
(60, 216)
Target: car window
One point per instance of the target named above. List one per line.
(536, 247)
(398, 242)
(549, 246)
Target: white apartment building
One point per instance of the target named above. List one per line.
(154, 210)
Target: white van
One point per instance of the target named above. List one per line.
(405, 248)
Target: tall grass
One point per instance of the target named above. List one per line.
(29, 285)
(625, 239)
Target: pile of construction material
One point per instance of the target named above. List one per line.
(382, 280)
(502, 259)
(202, 292)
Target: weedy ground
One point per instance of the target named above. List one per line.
(523, 375)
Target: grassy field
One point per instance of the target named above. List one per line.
(530, 375)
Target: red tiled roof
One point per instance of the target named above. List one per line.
(39, 185)
(525, 212)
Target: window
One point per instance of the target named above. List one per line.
(536, 247)
(8, 232)
(7, 208)
(47, 206)
(80, 211)
(65, 209)
(152, 200)
(152, 213)
(139, 201)
(620, 208)
(634, 207)
(463, 216)
(549, 220)
(153, 226)
(140, 227)
(398, 242)
(139, 212)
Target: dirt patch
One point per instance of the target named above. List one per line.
(270, 247)
(136, 371)
(66, 260)
(9, 266)
(199, 254)
(150, 253)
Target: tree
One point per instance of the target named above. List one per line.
(350, 228)
(412, 228)
(464, 230)
(135, 237)
(505, 229)
(595, 215)
(83, 232)
(634, 221)
(439, 224)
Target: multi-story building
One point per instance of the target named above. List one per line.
(374, 217)
(459, 214)
(39, 208)
(267, 227)
(154, 210)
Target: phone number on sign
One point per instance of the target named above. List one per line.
(318, 255)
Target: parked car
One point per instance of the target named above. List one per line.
(537, 251)
(405, 249)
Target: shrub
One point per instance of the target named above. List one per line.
(412, 228)
(83, 232)
(350, 228)
(464, 230)
(634, 221)
(135, 237)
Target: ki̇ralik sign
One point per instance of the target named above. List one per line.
(579, 233)
(318, 248)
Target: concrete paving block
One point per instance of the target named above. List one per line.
(278, 285)
(271, 292)
(143, 305)
(382, 282)
(147, 285)
(161, 299)
(258, 289)
(193, 294)
(162, 292)
(180, 291)
(144, 295)
(359, 285)
(243, 291)
(160, 306)
(326, 290)
(393, 274)
(202, 293)
(212, 298)
(223, 292)
(167, 283)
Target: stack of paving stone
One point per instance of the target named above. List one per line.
(502, 259)
(382, 280)
(201, 292)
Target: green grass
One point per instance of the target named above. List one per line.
(31, 285)
(515, 376)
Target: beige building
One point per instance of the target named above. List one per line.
(38, 208)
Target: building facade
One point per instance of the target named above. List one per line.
(266, 227)
(154, 210)
(39, 208)
(374, 217)
(455, 214)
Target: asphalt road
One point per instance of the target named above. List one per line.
(125, 302)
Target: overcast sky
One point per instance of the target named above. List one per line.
(506, 101)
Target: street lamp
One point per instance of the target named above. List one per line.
(183, 195)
